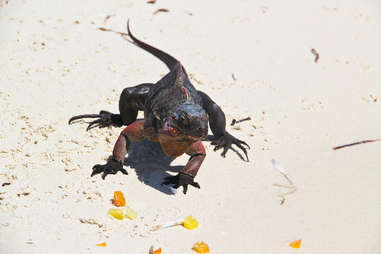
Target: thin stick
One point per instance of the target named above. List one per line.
(239, 121)
(110, 30)
(283, 186)
(292, 185)
(283, 172)
(288, 193)
(316, 54)
(356, 143)
(107, 17)
(167, 225)
(160, 10)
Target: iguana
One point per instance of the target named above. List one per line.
(175, 114)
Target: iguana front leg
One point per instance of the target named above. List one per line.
(189, 172)
(103, 119)
(133, 132)
(217, 123)
(132, 99)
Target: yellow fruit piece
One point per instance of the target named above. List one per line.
(201, 247)
(295, 244)
(129, 213)
(116, 213)
(102, 244)
(119, 199)
(190, 222)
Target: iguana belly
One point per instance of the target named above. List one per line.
(174, 147)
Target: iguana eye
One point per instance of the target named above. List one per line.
(173, 131)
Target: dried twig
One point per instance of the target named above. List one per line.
(316, 54)
(90, 221)
(239, 121)
(291, 185)
(167, 225)
(160, 10)
(107, 17)
(356, 143)
(110, 30)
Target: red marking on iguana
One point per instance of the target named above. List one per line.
(186, 93)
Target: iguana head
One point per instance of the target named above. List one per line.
(187, 120)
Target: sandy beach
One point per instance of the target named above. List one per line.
(256, 59)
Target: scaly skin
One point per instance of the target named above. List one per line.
(175, 114)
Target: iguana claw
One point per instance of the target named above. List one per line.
(105, 119)
(111, 167)
(226, 141)
(181, 179)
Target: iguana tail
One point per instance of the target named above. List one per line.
(169, 60)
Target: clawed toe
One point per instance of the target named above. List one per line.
(226, 141)
(105, 119)
(181, 179)
(97, 169)
(111, 167)
(74, 118)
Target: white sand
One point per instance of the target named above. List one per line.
(54, 64)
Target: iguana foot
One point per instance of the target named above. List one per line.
(105, 119)
(111, 167)
(181, 179)
(226, 141)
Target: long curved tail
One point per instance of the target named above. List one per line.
(169, 60)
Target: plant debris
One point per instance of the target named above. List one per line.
(151, 251)
(316, 54)
(160, 10)
(201, 247)
(129, 213)
(233, 77)
(23, 194)
(102, 244)
(107, 18)
(5, 184)
(295, 244)
(110, 30)
(189, 223)
(121, 213)
(167, 225)
(291, 185)
(116, 213)
(90, 221)
(151, 1)
(234, 121)
(356, 143)
(119, 199)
